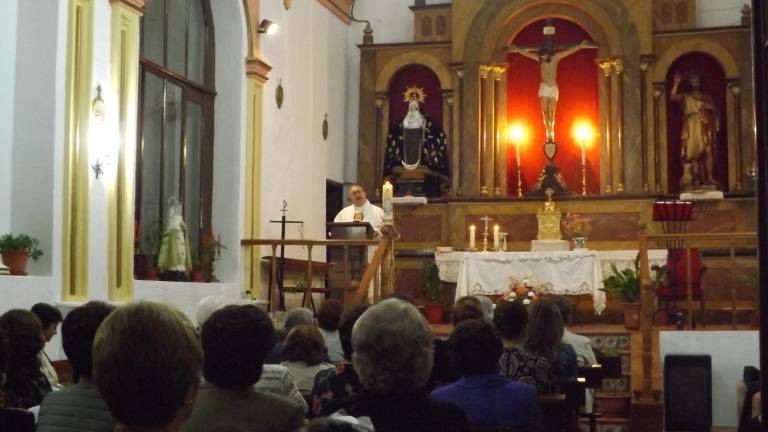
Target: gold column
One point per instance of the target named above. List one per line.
(77, 114)
(618, 67)
(496, 76)
(605, 65)
(126, 22)
(377, 159)
(483, 136)
(645, 61)
(659, 89)
(736, 92)
(457, 144)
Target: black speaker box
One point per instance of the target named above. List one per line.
(688, 392)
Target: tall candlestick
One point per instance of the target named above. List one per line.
(517, 153)
(583, 152)
(472, 237)
(496, 238)
(386, 200)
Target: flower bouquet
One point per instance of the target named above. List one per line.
(523, 290)
(576, 225)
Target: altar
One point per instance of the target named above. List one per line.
(563, 273)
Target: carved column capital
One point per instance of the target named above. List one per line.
(380, 99)
(458, 69)
(605, 66)
(618, 65)
(448, 96)
(137, 5)
(257, 68)
(498, 71)
(735, 86)
(658, 89)
(646, 60)
(485, 71)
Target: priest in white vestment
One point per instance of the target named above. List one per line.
(361, 209)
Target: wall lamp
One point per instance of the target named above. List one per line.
(268, 27)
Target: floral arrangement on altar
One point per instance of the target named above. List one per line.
(576, 225)
(523, 290)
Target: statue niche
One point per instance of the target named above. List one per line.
(416, 157)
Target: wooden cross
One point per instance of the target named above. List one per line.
(549, 45)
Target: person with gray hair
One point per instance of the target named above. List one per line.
(392, 354)
(487, 305)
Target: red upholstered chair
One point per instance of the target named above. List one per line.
(675, 288)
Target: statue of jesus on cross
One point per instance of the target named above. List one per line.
(549, 59)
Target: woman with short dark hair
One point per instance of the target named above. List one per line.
(25, 384)
(236, 339)
(11, 419)
(303, 355)
(516, 363)
(488, 399)
(545, 339)
(328, 318)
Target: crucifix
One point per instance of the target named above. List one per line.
(548, 58)
(485, 220)
(280, 276)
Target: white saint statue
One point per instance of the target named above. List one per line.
(174, 247)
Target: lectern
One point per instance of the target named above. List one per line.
(346, 263)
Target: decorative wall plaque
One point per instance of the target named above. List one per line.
(279, 94)
(325, 127)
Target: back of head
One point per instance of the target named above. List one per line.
(392, 348)
(465, 308)
(545, 332)
(329, 315)
(77, 333)
(487, 306)
(564, 306)
(298, 316)
(511, 319)
(304, 343)
(348, 320)
(47, 314)
(476, 347)
(146, 364)
(25, 341)
(3, 357)
(236, 339)
(209, 305)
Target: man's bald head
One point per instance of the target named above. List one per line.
(357, 195)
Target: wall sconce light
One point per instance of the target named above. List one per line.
(98, 111)
(268, 27)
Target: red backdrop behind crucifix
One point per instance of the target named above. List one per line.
(578, 81)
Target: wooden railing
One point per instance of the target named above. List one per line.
(648, 286)
(379, 271)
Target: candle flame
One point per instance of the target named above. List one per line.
(517, 133)
(583, 132)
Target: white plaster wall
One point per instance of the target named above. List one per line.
(308, 55)
(8, 22)
(718, 13)
(31, 204)
(229, 134)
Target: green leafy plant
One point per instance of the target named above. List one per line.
(624, 283)
(432, 282)
(21, 243)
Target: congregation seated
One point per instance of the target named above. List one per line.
(235, 340)
(78, 406)
(146, 365)
(275, 378)
(50, 318)
(392, 354)
(443, 370)
(516, 363)
(294, 317)
(25, 383)
(11, 419)
(545, 339)
(488, 399)
(334, 386)
(328, 317)
(585, 356)
(304, 356)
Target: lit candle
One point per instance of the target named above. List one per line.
(386, 200)
(496, 237)
(583, 152)
(471, 236)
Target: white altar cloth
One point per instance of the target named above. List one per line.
(568, 273)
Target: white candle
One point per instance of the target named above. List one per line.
(386, 200)
(496, 237)
(583, 153)
(471, 236)
(517, 153)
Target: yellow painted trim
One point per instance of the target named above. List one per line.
(76, 169)
(123, 102)
(252, 184)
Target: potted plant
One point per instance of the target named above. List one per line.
(150, 248)
(434, 309)
(16, 251)
(626, 285)
(612, 401)
(577, 227)
(210, 252)
(196, 275)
